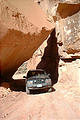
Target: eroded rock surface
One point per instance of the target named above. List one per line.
(22, 33)
(68, 34)
(66, 15)
(69, 72)
(23, 27)
(59, 55)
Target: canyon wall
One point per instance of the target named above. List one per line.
(24, 27)
(66, 15)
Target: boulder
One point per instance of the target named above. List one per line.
(23, 28)
(68, 35)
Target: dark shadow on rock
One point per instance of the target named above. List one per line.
(41, 91)
(10, 63)
(18, 85)
(49, 61)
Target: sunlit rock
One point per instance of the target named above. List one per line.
(23, 28)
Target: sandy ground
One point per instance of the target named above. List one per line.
(61, 104)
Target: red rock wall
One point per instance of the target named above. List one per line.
(23, 27)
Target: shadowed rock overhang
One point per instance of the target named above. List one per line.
(23, 28)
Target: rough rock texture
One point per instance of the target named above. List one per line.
(66, 15)
(69, 72)
(65, 44)
(4, 89)
(59, 8)
(68, 34)
(67, 18)
(23, 27)
(59, 56)
(26, 33)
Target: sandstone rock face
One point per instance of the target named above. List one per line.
(68, 34)
(22, 33)
(69, 72)
(23, 27)
(66, 15)
(68, 40)
(59, 8)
